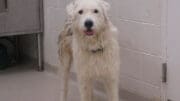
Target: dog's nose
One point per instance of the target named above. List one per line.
(89, 24)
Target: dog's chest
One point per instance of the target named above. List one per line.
(97, 64)
(100, 62)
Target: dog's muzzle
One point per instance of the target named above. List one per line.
(88, 24)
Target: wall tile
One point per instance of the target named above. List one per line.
(129, 84)
(152, 70)
(139, 87)
(149, 91)
(140, 10)
(141, 37)
(131, 64)
(141, 66)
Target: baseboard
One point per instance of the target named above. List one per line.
(51, 69)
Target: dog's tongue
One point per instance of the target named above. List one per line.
(89, 33)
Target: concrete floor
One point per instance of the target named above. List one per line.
(26, 84)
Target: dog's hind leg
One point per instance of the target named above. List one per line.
(64, 72)
(65, 56)
(64, 84)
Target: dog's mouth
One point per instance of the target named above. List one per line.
(89, 32)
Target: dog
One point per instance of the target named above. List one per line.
(89, 43)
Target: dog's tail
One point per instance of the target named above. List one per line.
(65, 57)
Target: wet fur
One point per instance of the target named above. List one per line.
(101, 66)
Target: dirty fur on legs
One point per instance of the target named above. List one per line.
(89, 41)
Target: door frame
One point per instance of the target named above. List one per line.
(164, 18)
(173, 49)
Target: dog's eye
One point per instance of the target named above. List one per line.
(80, 12)
(96, 11)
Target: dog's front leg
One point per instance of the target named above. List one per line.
(85, 86)
(112, 90)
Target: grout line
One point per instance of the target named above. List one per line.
(147, 83)
(137, 21)
(141, 52)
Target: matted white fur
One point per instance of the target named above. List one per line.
(92, 47)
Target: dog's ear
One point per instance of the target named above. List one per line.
(70, 9)
(106, 6)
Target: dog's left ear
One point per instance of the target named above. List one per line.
(106, 6)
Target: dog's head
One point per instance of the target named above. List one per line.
(89, 16)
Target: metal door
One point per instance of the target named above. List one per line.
(3, 10)
(23, 15)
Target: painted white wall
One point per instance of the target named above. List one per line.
(173, 50)
(54, 20)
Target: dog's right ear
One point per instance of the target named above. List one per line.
(70, 9)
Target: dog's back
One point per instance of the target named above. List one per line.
(65, 43)
(65, 56)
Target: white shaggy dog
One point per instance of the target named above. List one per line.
(89, 40)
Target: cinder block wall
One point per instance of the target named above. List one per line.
(142, 41)
(140, 36)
